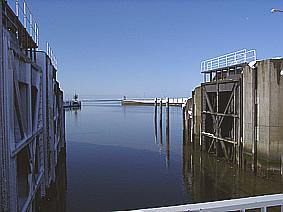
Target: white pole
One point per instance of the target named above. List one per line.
(30, 25)
(17, 8)
(25, 15)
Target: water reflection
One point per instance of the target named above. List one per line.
(207, 178)
(113, 163)
(112, 156)
(75, 113)
(160, 125)
(167, 135)
(55, 200)
(155, 123)
(167, 131)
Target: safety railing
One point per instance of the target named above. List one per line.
(242, 204)
(51, 55)
(23, 12)
(234, 58)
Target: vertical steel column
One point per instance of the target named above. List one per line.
(1, 115)
(236, 125)
(217, 118)
(202, 142)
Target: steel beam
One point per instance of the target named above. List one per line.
(25, 142)
(2, 138)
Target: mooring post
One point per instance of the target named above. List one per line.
(155, 110)
(184, 117)
(155, 119)
(160, 111)
(160, 121)
(167, 118)
(167, 133)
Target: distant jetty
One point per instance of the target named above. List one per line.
(73, 103)
(151, 102)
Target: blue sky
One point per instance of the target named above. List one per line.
(150, 48)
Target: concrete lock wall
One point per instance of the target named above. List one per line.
(260, 116)
(31, 100)
(262, 113)
(54, 126)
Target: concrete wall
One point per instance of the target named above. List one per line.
(30, 101)
(262, 113)
(192, 118)
(248, 111)
(54, 126)
(275, 115)
(197, 115)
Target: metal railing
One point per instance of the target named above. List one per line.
(51, 55)
(23, 12)
(260, 202)
(234, 58)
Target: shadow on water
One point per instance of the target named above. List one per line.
(55, 199)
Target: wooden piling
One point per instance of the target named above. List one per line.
(167, 116)
(184, 118)
(155, 119)
(167, 133)
(155, 110)
(160, 122)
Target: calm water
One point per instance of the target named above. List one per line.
(115, 162)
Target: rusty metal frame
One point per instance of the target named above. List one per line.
(215, 142)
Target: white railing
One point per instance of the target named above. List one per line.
(25, 16)
(51, 55)
(234, 58)
(260, 202)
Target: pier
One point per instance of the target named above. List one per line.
(32, 121)
(151, 102)
(181, 101)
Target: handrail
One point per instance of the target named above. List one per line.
(234, 58)
(23, 12)
(51, 55)
(242, 204)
